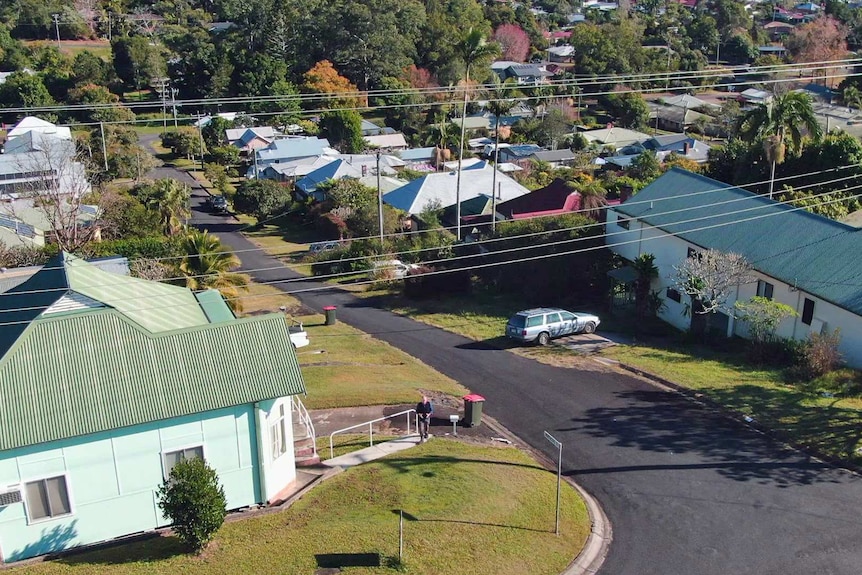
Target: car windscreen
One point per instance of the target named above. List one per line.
(518, 321)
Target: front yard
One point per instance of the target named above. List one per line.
(499, 520)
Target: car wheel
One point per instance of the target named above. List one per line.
(590, 327)
(544, 338)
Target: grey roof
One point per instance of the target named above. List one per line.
(554, 155)
(816, 254)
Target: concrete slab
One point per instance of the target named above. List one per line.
(373, 452)
(592, 342)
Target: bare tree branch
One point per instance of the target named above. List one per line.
(710, 277)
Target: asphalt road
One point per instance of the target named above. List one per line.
(686, 491)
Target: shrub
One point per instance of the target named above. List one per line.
(418, 284)
(817, 356)
(194, 501)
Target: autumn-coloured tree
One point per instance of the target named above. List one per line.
(514, 42)
(323, 78)
(419, 78)
(820, 40)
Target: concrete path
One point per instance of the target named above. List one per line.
(373, 452)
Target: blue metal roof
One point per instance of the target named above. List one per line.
(816, 254)
(310, 182)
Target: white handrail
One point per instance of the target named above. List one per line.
(305, 420)
(370, 428)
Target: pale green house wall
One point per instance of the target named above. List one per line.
(112, 478)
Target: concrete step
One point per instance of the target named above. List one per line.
(308, 460)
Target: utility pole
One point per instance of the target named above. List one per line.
(104, 145)
(174, 105)
(161, 84)
(201, 139)
(379, 201)
(56, 18)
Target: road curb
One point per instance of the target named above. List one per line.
(598, 543)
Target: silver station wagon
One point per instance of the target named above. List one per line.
(541, 324)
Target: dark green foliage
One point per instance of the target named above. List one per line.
(428, 282)
(343, 129)
(137, 61)
(262, 198)
(135, 248)
(194, 501)
(818, 356)
(552, 269)
(645, 167)
(629, 109)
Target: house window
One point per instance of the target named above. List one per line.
(623, 222)
(278, 434)
(47, 498)
(807, 311)
(764, 289)
(174, 457)
(674, 295)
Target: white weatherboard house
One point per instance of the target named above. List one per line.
(806, 261)
(108, 381)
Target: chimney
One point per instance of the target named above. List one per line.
(364, 170)
(685, 148)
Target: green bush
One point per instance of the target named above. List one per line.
(134, 248)
(193, 500)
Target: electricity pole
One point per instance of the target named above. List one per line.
(104, 145)
(379, 202)
(56, 18)
(174, 105)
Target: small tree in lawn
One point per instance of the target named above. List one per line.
(194, 501)
(762, 316)
(708, 278)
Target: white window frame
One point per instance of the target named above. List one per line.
(65, 476)
(165, 470)
(278, 433)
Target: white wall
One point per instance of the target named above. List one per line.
(278, 472)
(670, 251)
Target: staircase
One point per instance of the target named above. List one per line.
(304, 447)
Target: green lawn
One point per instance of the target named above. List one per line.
(499, 519)
(345, 367)
(356, 369)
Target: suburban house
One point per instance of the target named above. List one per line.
(564, 53)
(523, 74)
(778, 30)
(801, 259)
(754, 96)
(439, 189)
(34, 124)
(615, 137)
(356, 167)
(420, 159)
(369, 128)
(556, 158)
(555, 199)
(108, 381)
(518, 153)
(250, 139)
(293, 148)
(395, 141)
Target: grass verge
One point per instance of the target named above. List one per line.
(499, 520)
(345, 367)
(802, 415)
(348, 443)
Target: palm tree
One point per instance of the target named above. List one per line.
(472, 49)
(501, 99)
(782, 119)
(207, 265)
(852, 97)
(171, 199)
(644, 266)
(593, 194)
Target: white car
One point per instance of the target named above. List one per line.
(390, 269)
(541, 324)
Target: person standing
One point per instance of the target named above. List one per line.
(424, 409)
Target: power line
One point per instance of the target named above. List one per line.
(631, 202)
(663, 234)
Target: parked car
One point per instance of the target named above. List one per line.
(218, 204)
(390, 269)
(541, 324)
(317, 247)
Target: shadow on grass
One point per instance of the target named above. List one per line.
(340, 560)
(666, 422)
(408, 464)
(142, 549)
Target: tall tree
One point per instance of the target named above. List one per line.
(472, 49)
(820, 40)
(170, 199)
(343, 128)
(785, 117)
(336, 90)
(514, 42)
(207, 264)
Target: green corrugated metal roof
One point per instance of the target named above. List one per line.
(214, 306)
(154, 306)
(95, 371)
(818, 255)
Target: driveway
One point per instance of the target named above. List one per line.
(687, 491)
